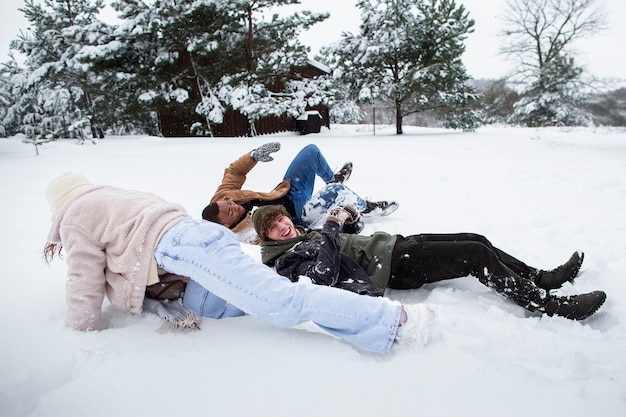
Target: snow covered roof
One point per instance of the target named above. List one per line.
(306, 114)
(319, 66)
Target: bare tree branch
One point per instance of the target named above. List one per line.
(540, 31)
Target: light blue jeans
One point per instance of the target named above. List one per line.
(211, 255)
(302, 171)
(331, 195)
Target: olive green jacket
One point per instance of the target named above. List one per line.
(372, 252)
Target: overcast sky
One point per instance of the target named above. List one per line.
(603, 54)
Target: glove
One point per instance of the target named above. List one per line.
(354, 214)
(262, 153)
(174, 315)
(338, 216)
(353, 228)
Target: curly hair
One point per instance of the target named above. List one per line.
(268, 216)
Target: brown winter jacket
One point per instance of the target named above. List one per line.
(108, 237)
(231, 189)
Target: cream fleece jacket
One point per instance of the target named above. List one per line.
(108, 237)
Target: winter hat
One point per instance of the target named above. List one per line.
(64, 188)
(264, 216)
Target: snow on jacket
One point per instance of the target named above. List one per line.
(372, 253)
(108, 237)
(235, 176)
(323, 263)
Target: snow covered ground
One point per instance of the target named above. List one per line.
(539, 194)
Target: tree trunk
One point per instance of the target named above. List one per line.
(250, 48)
(398, 118)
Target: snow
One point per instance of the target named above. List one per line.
(539, 194)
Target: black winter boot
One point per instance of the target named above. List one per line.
(550, 280)
(575, 307)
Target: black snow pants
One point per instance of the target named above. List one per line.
(427, 258)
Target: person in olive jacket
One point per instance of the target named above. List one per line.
(322, 262)
(399, 262)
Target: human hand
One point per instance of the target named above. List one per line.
(337, 216)
(262, 153)
(353, 212)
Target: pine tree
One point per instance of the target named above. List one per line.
(54, 93)
(10, 119)
(554, 99)
(145, 65)
(538, 38)
(195, 60)
(262, 81)
(409, 52)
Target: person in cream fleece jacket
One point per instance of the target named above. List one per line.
(116, 240)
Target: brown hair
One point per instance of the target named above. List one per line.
(50, 250)
(265, 216)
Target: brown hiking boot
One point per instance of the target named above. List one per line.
(342, 174)
(379, 208)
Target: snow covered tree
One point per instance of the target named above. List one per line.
(538, 37)
(9, 120)
(54, 94)
(194, 60)
(344, 109)
(497, 99)
(554, 99)
(137, 65)
(262, 54)
(409, 52)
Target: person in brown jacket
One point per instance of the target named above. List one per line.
(232, 206)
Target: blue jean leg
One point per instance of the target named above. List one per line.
(210, 255)
(307, 164)
(206, 304)
(331, 195)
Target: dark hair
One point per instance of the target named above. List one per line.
(211, 212)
